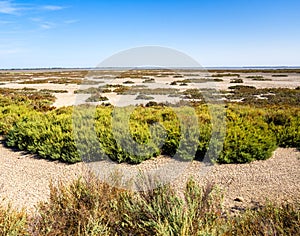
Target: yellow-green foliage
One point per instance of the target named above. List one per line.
(248, 136)
(13, 222)
(285, 124)
(134, 134)
(48, 135)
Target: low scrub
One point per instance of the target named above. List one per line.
(90, 207)
(134, 134)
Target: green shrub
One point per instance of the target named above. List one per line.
(248, 138)
(135, 134)
(49, 136)
(285, 124)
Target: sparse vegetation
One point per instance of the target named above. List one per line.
(53, 91)
(143, 97)
(279, 75)
(139, 74)
(258, 78)
(237, 81)
(273, 96)
(225, 75)
(96, 98)
(261, 79)
(128, 82)
(255, 77)
(242, 87)
(178, 76)
(150, 80)
(90, 207)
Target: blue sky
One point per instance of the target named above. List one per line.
(76, 33)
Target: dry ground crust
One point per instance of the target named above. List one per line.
(24, 178)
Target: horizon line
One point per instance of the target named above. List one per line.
(153, 67)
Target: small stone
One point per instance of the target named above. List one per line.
(239, 199)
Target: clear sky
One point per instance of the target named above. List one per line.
(75, 33)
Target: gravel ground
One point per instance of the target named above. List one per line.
(24, 178)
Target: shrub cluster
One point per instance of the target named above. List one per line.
(272, 96)
(48, 135)
(251, 133)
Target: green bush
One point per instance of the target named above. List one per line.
(49, 136)
(248, 137)
(135, 134)
(285, 124)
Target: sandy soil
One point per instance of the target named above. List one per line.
(25, 178)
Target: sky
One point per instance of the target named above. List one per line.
(43, 34)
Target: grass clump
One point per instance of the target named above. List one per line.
(13, 222)
(272, 219)
(88, 206)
